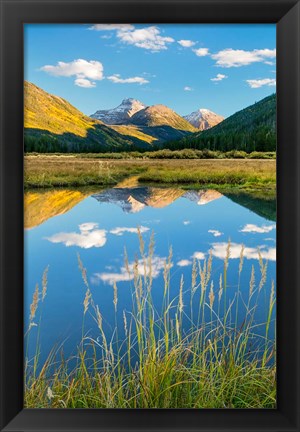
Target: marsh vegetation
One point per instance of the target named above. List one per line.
(60, 171)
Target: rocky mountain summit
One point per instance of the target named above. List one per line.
(203, 119)
(121, 114)
(161, 115)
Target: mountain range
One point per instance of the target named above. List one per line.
(52, 124)
(133, 200)
(132, 111)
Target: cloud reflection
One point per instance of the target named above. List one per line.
(157, 265)
(251, 228)
(121, 230)
(184, 263)
(219, 250)
(199, 255)
(215, 233)
(89, 236)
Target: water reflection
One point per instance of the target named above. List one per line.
(127, 273)
(133, 200)
(89, 236)
(100, 225)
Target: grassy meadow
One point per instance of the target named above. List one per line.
(157, 363)
(78, 170)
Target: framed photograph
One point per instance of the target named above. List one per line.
(150, 215)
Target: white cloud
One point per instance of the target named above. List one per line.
(148, 38)
(157, 265)
(257, 83)
(111, 27)
(83, 70)
(121, 230)
(184, 263)
(215, 233)
(236, 58)
(186, 43)
(219, 250)
(199, 255)
(251, 228)
(88, 237)
(116, 78)
(187, 88)
(201, 52)
(186, 222)
(83, 82)
(219, 77)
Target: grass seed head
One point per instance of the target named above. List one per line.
(252, 281)
(35, 301)
(115, 295)
(86, 301)
(227, 254)
(211, 295)
(82, 270)
(180, 303)
(241, 259)
(220, 287)
(45, 283)
(125, 323)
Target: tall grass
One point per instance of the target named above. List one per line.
(60, 171)
(168, 357)
(166, 154)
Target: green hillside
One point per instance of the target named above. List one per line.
(251, 129)
(53, 124)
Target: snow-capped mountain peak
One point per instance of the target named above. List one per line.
(121, 114)
(203, 118)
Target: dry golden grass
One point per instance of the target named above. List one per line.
(135, 132)
(51, 170)
(45, 111)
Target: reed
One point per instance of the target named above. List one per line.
(166, 358)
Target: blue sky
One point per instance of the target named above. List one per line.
(223, 68)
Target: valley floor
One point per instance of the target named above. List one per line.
(72, 170)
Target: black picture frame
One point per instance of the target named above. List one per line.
(286, 14)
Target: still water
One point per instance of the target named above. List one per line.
(98, 225)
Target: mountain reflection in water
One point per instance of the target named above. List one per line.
(133, 200)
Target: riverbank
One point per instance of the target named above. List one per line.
(46, 171)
